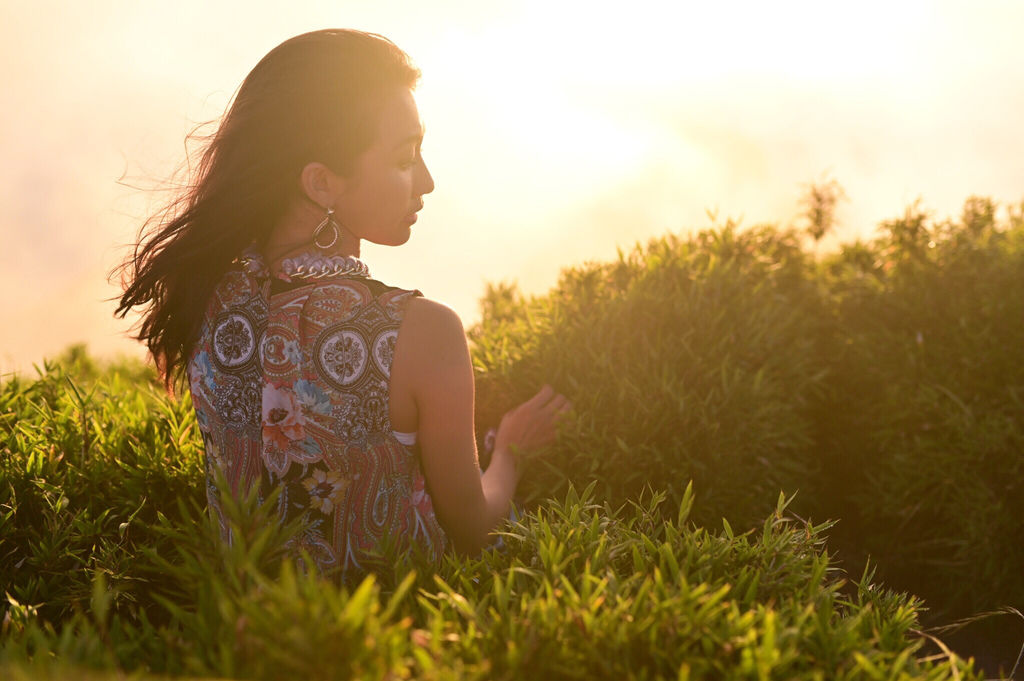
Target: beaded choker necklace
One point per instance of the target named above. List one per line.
(315, 266)
(307, 266)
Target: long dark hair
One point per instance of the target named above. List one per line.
(314, 97)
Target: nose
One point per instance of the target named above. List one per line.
(425, 182)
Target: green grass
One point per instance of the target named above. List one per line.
(881, 385)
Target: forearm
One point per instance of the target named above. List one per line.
(499, 484)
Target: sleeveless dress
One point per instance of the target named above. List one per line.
(289, 380)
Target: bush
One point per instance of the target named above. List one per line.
(883, 383)
(687, 359)
(87, 464)
(582, 591)
(925, 415)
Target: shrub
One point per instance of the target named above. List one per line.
(924, 421)
(86, 465)
(582, 591)
(882, 382)
(687, 359)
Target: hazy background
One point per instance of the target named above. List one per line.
(555, 132)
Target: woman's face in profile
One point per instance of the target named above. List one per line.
(381, 196)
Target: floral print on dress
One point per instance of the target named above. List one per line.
(204, 373)
(289, 380)
(282, 418)
(326, 490)
(292, 352)
(312, 397)
(284, 434)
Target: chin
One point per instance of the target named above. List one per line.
(396, 239)
(402, 235)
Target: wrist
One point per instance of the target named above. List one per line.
(507, 457)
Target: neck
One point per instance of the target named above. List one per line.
(294, 234)
(348, 244)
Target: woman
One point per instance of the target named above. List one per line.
(352, 397)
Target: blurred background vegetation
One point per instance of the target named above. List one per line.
(880, 386)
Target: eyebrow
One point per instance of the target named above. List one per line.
(412, 138)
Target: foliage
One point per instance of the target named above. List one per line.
(924, 423)
(819, 207)
(86, 466)
(582, 590)
(691, 359)
(881, 384)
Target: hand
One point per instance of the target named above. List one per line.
(531, 425)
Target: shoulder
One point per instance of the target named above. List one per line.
(433, 330)
(427, 314)
(432, 354)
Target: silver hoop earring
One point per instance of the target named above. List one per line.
(330, 222)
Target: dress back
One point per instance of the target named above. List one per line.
(289, 379)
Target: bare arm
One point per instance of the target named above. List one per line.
(433, 353)
(432, 348)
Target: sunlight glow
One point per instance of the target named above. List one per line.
(556, 131)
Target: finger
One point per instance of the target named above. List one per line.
(544, 394)
(558, 415)
(556, 403)
(541, 397)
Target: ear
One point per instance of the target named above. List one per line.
(320, 184)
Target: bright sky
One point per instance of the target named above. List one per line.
(556, 131)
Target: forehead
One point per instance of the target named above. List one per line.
(399, 118)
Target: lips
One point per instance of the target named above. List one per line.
(412, 216)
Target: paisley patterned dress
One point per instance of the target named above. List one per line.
(289, 379)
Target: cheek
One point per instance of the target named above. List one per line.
(391, 186)
(384, 198)
(398, 191)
